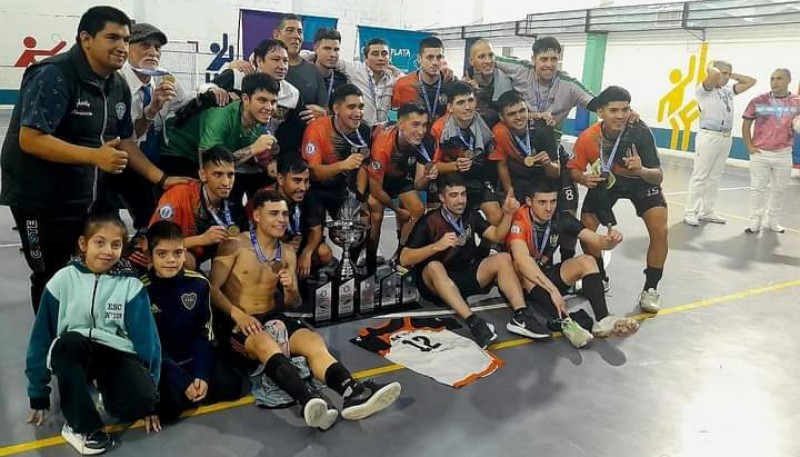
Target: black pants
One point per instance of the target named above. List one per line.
(127, 388)
(47, 243)
(131, 191)
(225, 383)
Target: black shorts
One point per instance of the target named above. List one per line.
(238, 338)
(601, 201)
(479, 192)
(568, 197)
(553, 273)
(465, 279)
(396, 186)
(330, 202)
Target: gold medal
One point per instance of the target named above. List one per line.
(234, 231)
(276, 266)
(469, 154)
(529, 161)
(168, 78)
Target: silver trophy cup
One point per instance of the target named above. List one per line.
(347, 234)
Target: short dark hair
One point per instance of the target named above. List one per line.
(266, 195)
(344, 91)
(509, 98)
(327, 34)
(161, 231)
(217, 155)
(430, 42)
(373, 42)
(266, 46)
(545, 44)
(450, 180)
(288, 17)
(260, 81)
(541, 186)
(96, 17)
(457, 89)
(291, 164)
(608, 95)
(411, 108)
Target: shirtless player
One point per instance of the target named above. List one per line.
(253, 280)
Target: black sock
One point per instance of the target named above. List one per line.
(338, 378)
(602, 266)
(280, 369)
(593, 291)
(567, 247)
(652, 277)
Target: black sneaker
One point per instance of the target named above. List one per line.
(483, 332)
(92, 444)
(527, 325)
(371, 398)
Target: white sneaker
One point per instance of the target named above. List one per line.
(777, 228)
(713, 217)
(754, 226)
(615, 326)
(691, 220)
(317, 414)
(650, 301)
(92, 444)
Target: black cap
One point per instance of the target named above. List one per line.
(142, 31)
(610, 94)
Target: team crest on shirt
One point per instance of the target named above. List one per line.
(189, 300)
(120, 108)
(516, 230)
(311, 149)
(376, 165)
(166, 212)
(554, 239)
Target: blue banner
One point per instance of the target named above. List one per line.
(258, 26)
(403, 44)
(796, 152)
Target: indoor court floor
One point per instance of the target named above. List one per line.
(712, 375)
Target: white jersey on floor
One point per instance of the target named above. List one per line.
(426, 346)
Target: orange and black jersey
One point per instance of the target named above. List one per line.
(546, 236)
(434, 225)
(390, 162)
(511, 149)
(410, 88)
(324, 144)
(450, 149)
(636, 138)
(184, 205)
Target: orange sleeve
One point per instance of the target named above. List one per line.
(520, 227)
(586, 149)
(503, 146)
(175, 205)
(436, 132)
(312, 145)
(381, 153)
(404, 92)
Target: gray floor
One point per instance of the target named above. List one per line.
(715, 378)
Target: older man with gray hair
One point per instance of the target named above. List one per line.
(713, 140)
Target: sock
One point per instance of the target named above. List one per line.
(593, 291)
(567, 247)
(338, 378)
(602, 266)
(652, 277)
(280, 369)
(519, 314)
(473, 319)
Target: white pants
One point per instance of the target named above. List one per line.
(712, 149)
(773, 169)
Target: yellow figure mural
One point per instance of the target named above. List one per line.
(671, 106)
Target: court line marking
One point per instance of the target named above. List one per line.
(381, 370)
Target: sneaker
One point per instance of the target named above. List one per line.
(606, 284)
(373, 397)
(575, 289)
(712, 217)
(691, 220)
(754, 226)
(482, 332)
(92, 444)
(650, 301)
(527, 325)
(577, 335)
(615, 326)
(318, 414)
(777, 228)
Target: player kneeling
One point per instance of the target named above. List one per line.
(535, 236)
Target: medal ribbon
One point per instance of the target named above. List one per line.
(431, 109)
(259, 253)
(541, 245)
(226, 211)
